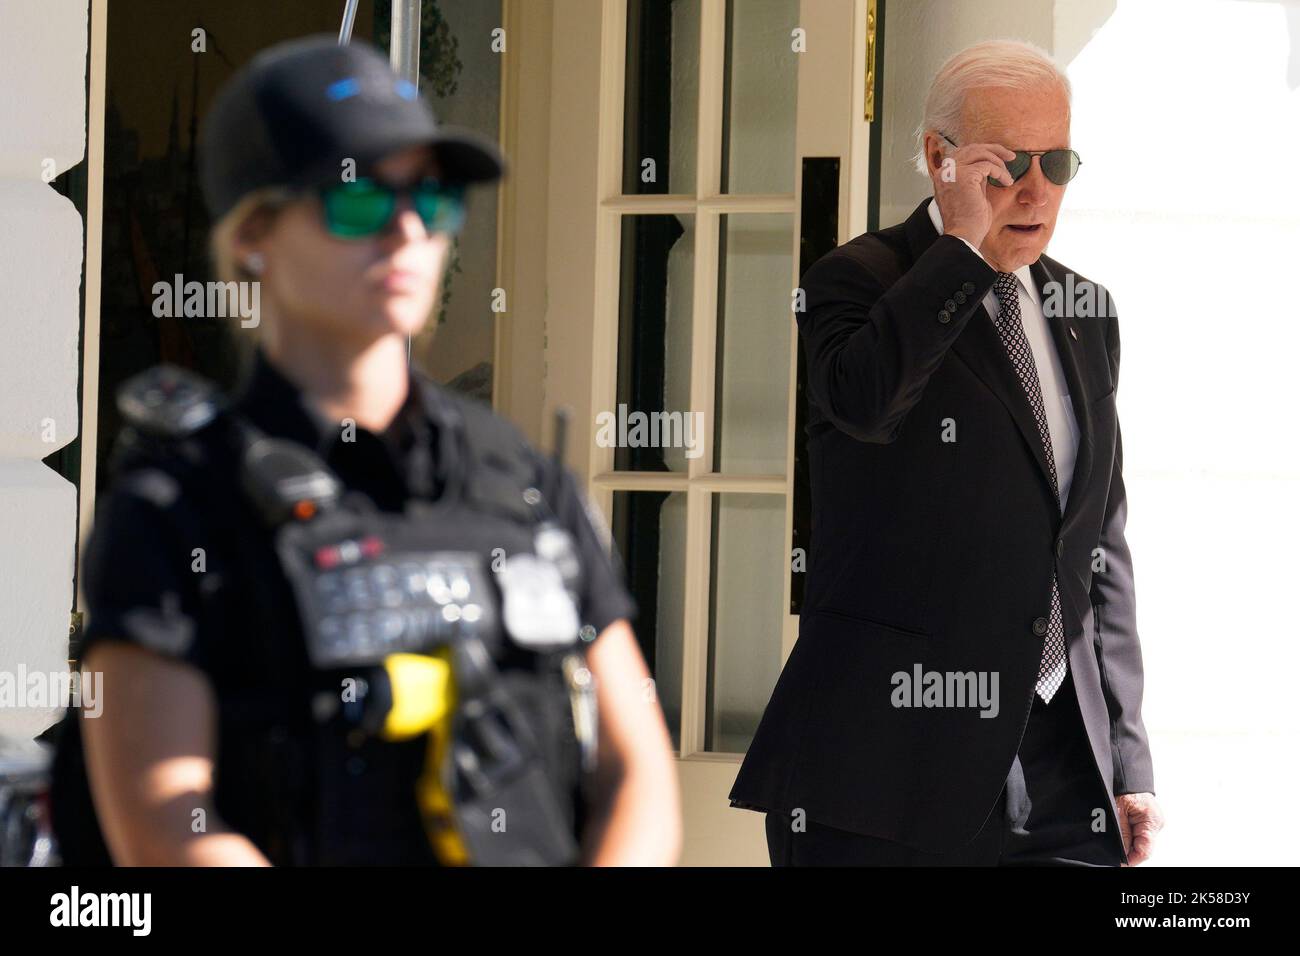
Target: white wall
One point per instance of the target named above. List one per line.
(1199, 242)
(42, 134)
(1187, 116)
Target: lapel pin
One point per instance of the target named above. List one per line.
(1074, 334)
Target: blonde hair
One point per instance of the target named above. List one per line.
(226, 264)
(1013, 64)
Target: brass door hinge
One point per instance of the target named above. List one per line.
(869, 100)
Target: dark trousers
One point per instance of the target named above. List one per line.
(1048, 814)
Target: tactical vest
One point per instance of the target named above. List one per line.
(452, 624)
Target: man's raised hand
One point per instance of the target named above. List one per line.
(960, 185)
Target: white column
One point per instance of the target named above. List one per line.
(42, 134)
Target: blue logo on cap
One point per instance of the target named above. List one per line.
(347, 88)
(342, 89)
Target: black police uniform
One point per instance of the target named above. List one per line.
(236, 620)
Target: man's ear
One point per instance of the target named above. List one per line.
(934, 150)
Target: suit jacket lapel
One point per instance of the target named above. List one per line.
(983, 352)
(981, 349)
(1065, 333)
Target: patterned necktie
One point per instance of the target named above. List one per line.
(1011, 329)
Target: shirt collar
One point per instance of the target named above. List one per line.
(1023, 274)
(278, 407)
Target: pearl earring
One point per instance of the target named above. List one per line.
(254, 263)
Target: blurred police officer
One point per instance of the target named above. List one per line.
(331, 613)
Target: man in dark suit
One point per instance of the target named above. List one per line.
(967, 683)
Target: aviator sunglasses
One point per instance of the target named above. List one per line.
(1059, 165)
(366, 206)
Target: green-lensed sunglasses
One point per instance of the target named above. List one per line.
(1059, 165)
(365, 207)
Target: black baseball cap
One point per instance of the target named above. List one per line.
(297, 110)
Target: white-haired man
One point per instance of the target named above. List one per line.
(967, 683)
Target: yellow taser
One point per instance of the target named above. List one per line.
(424, 702)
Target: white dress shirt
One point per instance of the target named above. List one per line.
(1061, 423)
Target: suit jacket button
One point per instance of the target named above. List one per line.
(960, 297)
(944, 315)
(1040, 626)
(968, 287)
(950, 305)
(1060, 548)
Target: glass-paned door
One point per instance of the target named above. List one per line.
(722, 102)
(702, 398)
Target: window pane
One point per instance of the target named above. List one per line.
(462, 78)
(753, 351)
(759, 97)
(661, 96)
(745, 616)
(651, 427)
(649, 529)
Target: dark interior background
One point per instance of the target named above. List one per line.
(155, 224)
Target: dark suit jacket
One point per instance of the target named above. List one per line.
(941, 552)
